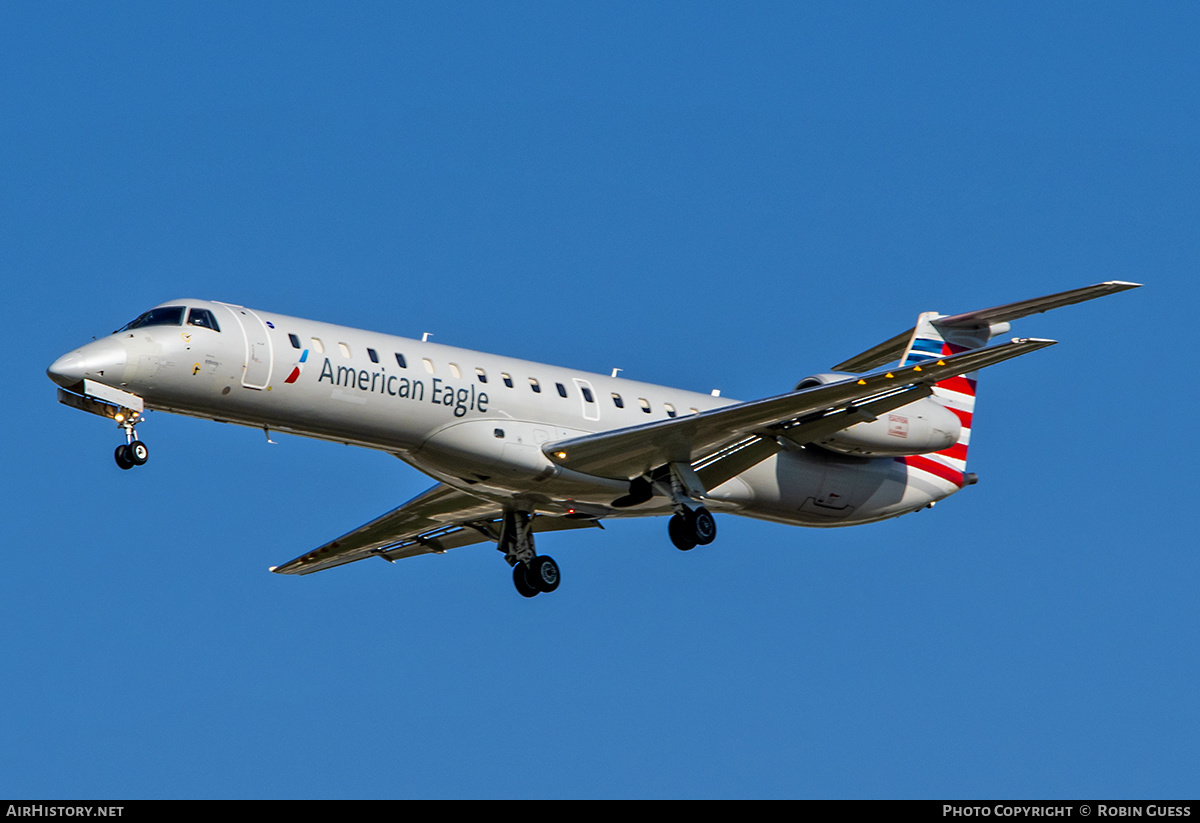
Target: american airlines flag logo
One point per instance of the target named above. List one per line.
(291, 378)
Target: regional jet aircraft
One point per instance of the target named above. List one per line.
(521, 448)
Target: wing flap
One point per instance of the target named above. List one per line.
(632, 452)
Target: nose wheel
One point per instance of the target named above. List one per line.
(133, 454)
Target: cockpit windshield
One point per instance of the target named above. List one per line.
(162, 316)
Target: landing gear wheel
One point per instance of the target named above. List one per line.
(680, 534)
(121, 455)
(543, 574)
(138, 453)
(703, 526)
(521, 582)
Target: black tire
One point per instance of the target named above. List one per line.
(543, 574)
(121, 455)
(138, 453)
(680, 534)
(703, 526)
(521, 582)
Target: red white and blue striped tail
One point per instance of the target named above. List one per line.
(931, 342)
(936, 336)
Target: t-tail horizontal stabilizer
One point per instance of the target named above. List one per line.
(891, 350)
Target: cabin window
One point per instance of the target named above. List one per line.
(428, 364)
(318, 346)
(617, 401)
(295, 341)
(535, 385)
(455, 370)
(481, 374)
(587, 394)
(670, 409)
(400, 361)
(562, 390)
(345, 350)
(507, 378)
(202, 318)
(645, 404)
(694, 411)
(373, 355)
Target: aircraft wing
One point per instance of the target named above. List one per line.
(433, 522)
(639, 450)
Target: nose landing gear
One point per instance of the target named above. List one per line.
(134, 452)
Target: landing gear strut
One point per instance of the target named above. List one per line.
(532, 573)
(691, 525)
(134, 452)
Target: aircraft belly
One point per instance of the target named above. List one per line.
(822, 489)
(504, 457)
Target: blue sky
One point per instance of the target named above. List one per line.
(706, 195)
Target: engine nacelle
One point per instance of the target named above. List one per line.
(921, 427)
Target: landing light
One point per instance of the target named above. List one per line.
(561, 455)
(120, 418)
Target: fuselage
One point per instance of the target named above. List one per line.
(475, 421)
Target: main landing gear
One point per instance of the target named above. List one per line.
(691, 525)
(690, 528)
(531, 579)
(532, 573)
(134, 452)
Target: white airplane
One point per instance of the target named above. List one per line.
(521, 447)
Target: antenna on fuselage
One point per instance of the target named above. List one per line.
(425, 336)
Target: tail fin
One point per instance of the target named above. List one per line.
(930, 341)
(937, 335)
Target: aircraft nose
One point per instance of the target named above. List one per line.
(102, 360)
(66, 370)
